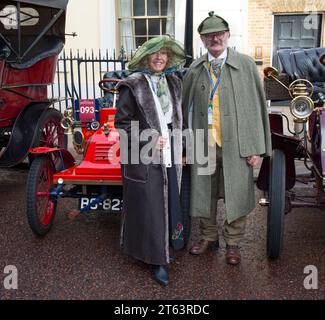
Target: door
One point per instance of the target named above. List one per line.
(295, 32)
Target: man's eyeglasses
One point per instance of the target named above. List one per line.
(211, 36)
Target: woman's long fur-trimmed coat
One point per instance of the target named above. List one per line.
(144, 230)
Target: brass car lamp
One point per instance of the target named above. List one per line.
(67, 125)
(300, 90)
(302, 106)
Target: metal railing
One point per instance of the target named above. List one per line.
(77, 75)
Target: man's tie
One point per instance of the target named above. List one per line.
(216, 65)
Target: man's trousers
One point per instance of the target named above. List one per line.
(232, 232)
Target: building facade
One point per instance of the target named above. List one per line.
(116, 24)
(258, 28)
(279, 24)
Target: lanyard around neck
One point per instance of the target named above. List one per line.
(213, 86)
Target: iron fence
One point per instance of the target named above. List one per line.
(77, 75)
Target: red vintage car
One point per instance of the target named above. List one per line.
(32, 34)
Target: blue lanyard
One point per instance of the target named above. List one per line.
(214, 87)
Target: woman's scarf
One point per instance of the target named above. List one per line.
(161, 89)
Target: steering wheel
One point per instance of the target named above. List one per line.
(299, 85)
(108, 80)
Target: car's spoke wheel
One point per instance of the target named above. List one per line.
(40, 207)
(50, 134)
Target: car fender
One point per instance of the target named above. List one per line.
(67, 158)
(23, 134)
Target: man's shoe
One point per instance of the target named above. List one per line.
(233, 255)
(203, 246)
(161, 275)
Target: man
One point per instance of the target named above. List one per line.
(224, 98)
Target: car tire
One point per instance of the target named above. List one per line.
(276, 209)
(40, 207)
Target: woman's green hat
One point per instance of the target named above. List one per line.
(155, 44)
(213, 23)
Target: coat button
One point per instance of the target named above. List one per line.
(203, 87)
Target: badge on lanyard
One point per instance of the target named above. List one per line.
(210, 114)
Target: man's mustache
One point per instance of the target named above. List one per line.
(222, 43)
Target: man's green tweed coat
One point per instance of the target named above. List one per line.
(244, 126)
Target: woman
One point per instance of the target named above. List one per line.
(148, 109)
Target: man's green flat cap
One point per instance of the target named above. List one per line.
(213, 23)
(155, 44)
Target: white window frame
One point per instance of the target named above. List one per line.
(132, 17)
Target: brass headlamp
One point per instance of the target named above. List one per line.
(67, 121)
(301, 90)
(302, 106)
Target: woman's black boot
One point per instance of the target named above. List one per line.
(161, 275)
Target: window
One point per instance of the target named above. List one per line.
(140, 20)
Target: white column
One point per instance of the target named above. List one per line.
(108, 25)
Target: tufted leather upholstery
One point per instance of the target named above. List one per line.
(308, 65)
(297, 64)
(304, 64)
(117, 74)
(285, 62)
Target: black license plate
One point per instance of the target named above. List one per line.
(110, 204)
